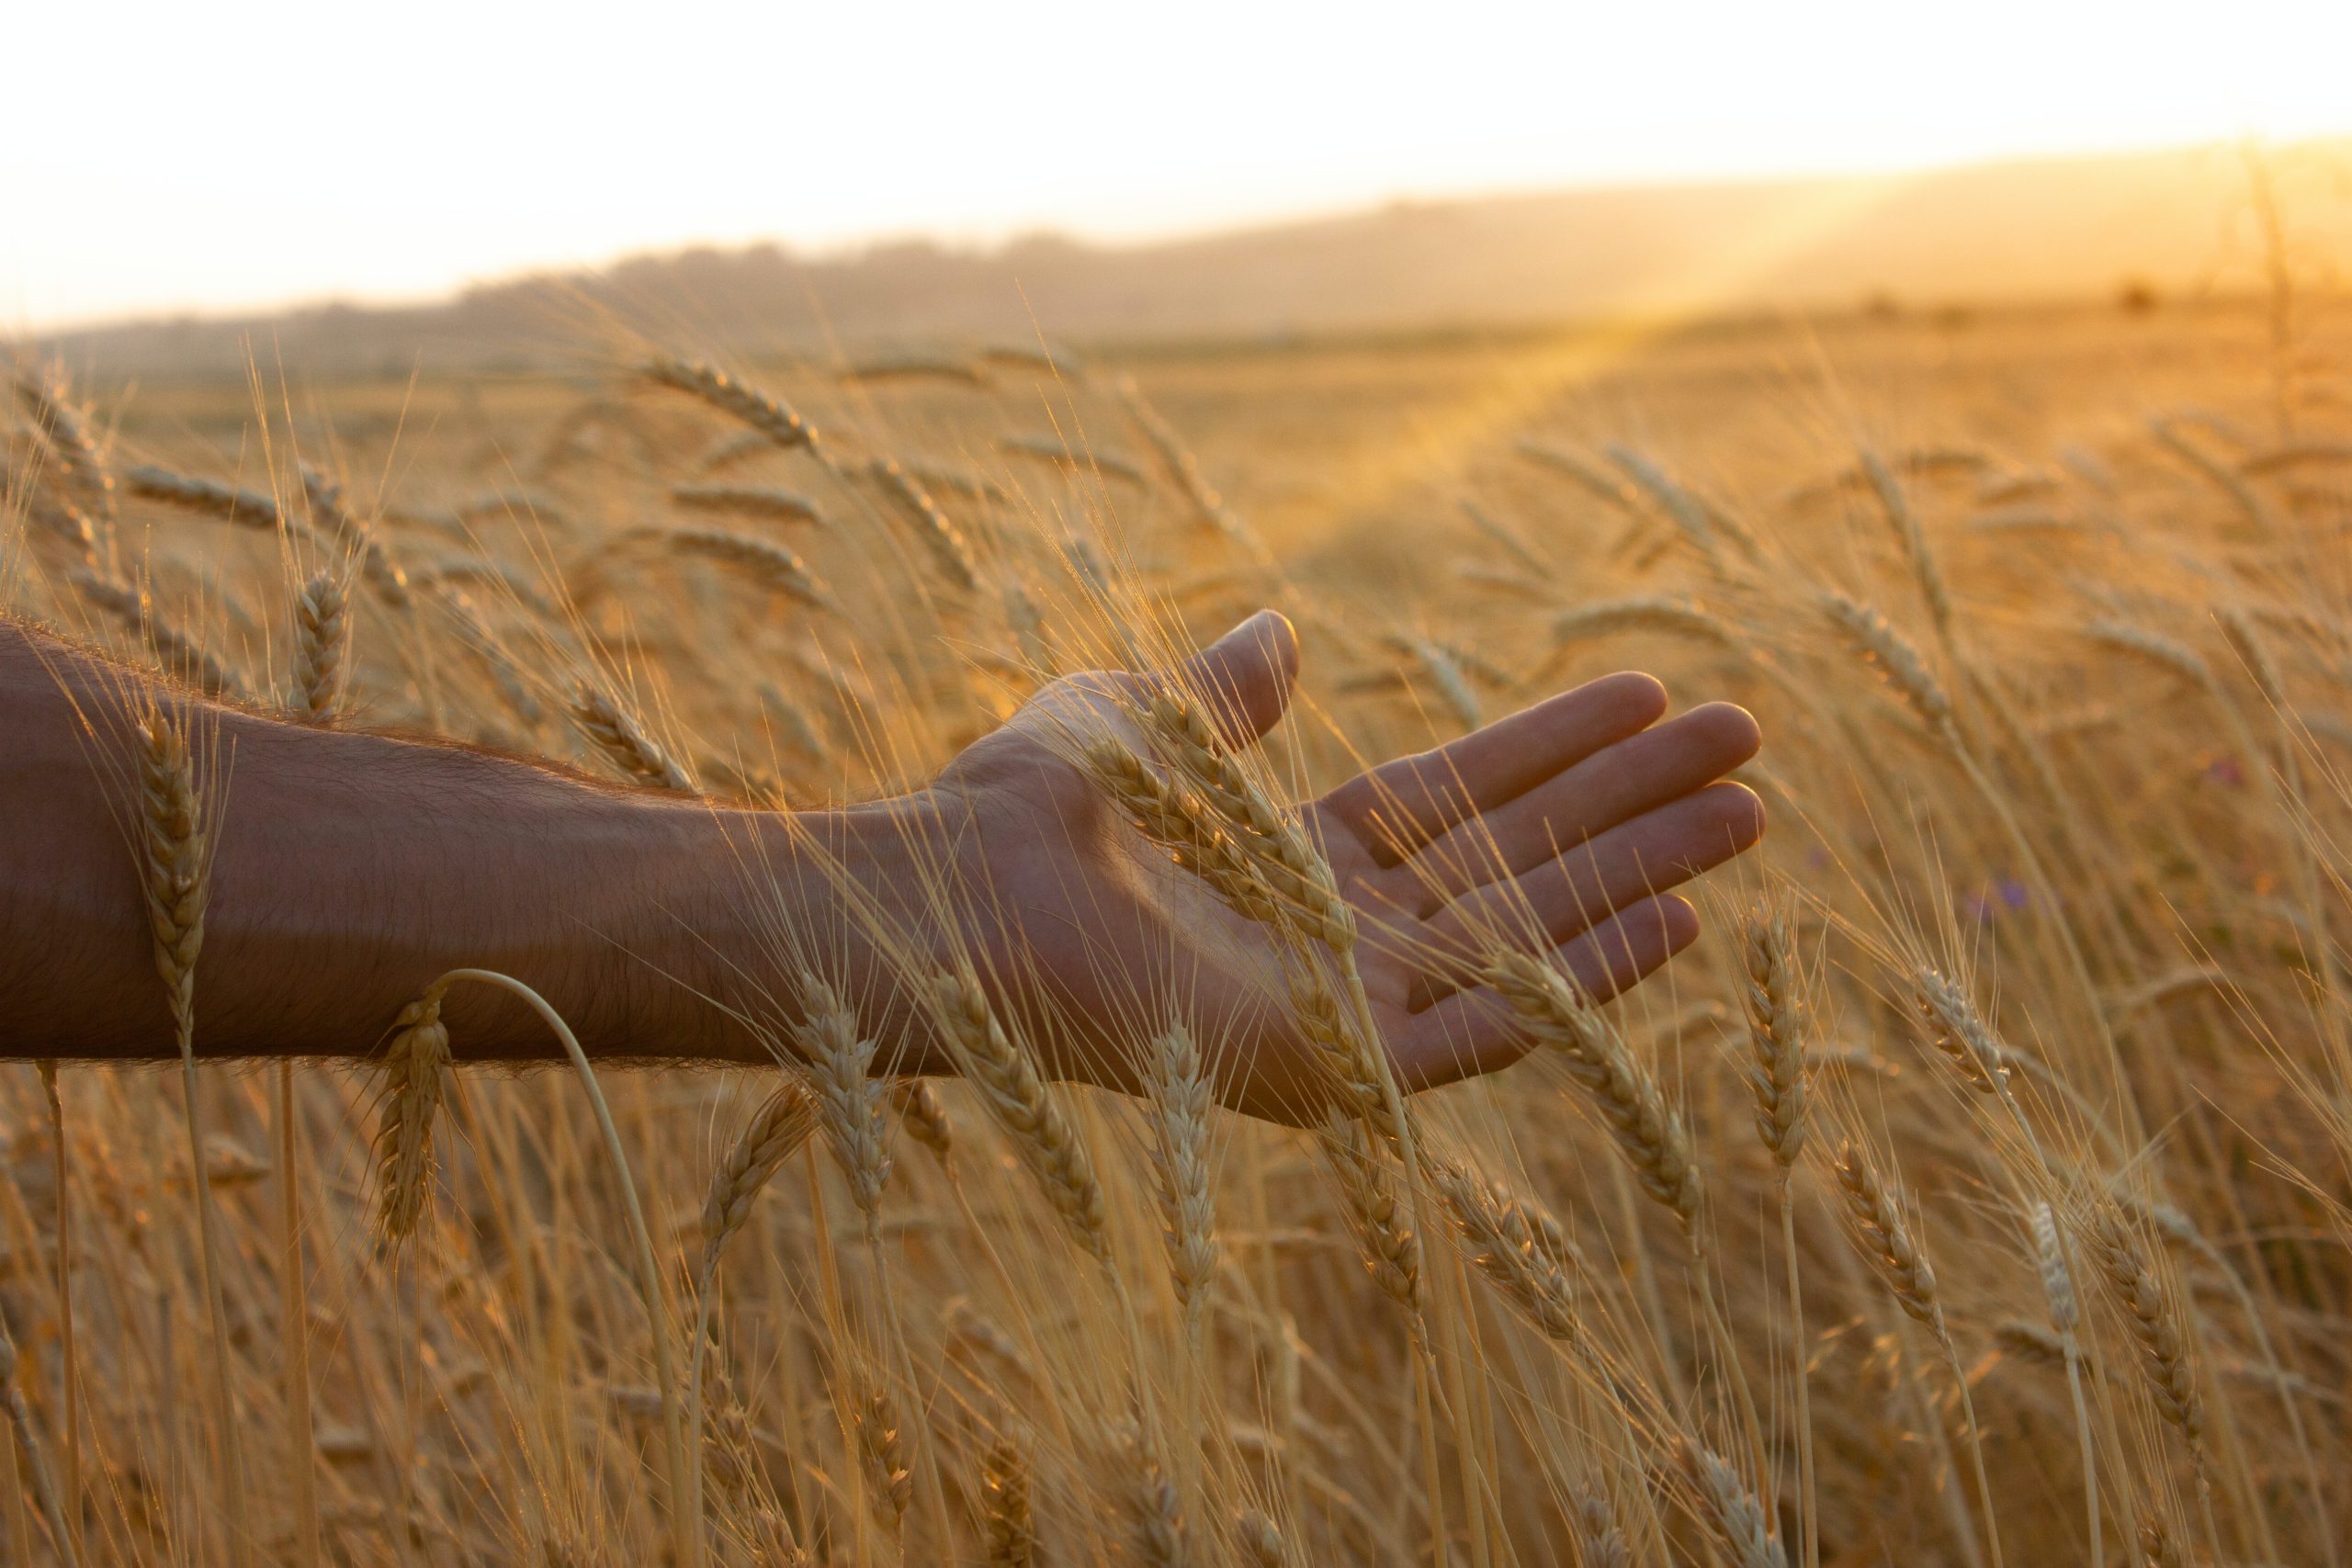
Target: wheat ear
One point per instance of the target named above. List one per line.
(623, 741)
(135, 608)
(1022, 1103)
(321, 646)
(415, 1081)
(773, 1136)
(2065, 1316)
(1004, 1507)
(946, 541)
(178, 872)
(1650, 1136)
(1392, 1252)
(1180, 1098)
(1522, 1250)
(1735, 1512)
(882, 1448)
(770, 566)
(1776, 1077)
(2153, 1318)
(765, 503)
(1156, 1511)
(849, 1101)
(925, 1117)
(747, 405)
(1875, 1210)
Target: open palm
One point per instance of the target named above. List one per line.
(1574, 815)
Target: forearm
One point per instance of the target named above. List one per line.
(350, 870)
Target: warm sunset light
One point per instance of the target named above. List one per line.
(207, 157)
(1216, 785)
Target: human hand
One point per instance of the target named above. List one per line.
(1574, 815)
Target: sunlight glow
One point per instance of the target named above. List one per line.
(167, 158)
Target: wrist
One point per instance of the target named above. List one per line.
(857, 896)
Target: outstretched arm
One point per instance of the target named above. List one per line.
(349, 869)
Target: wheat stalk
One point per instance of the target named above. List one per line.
(177, 883)
(28, 1449)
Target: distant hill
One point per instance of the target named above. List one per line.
(2057, 228)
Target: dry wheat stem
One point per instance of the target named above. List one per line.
(28, 1450)
(686, 1488)
(177, 855)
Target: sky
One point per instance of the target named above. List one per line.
(239, 155)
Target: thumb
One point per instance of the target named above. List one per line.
(1245, 677)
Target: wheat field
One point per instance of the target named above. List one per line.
(1977, 1182)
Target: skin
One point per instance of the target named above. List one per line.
(350, 870)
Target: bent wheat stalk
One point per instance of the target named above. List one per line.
(178, 874)
(685, 1515)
